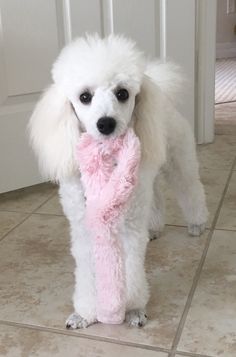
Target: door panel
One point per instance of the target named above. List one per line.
(85, 17)
(29, 43)
(32, 32)
(29, 30)
(180, 48)
(140, 21)
(18, 165)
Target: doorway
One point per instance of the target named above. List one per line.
(225, 69)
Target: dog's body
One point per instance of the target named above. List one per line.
(92, 78)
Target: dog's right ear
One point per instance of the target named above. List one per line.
(54, 133)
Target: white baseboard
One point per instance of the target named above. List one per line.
(226, 50)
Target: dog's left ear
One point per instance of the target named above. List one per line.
(149, 126)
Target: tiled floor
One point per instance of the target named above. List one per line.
(192, 309)
(225, 118)
(225, 78)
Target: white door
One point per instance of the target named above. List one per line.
(31, 35)
(29, 42)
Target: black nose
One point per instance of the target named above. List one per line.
(106, 125)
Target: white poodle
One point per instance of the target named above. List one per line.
(103, 86)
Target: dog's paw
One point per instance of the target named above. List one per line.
(75, 321)
(196, 229)
(154, 235)
(136, 318)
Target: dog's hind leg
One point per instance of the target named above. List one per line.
(183, 176)
(157, 213)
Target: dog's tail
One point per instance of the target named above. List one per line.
(169, 77)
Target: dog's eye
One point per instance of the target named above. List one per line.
(122, 95)
(85, 98)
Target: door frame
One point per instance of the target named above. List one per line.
(206, 12)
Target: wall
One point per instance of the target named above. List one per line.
(225, 37)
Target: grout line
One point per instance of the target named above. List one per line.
(207, 228)
(39, 213)
(191, 354)
(222, 169)
(48, 214)
(225, 229)
(221, 135)
(181, 226)
(234, 165)
(228, 102)
(14, 211)
(28, 215)
(16, 226)
(176, 225)
(199, 269)
(49, 198)
(186, 227)
(83, 335)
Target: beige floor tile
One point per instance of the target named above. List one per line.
(214, 183)
(171, 264)
(219, 155)
(225, 118)
(211, 323)
(227, 218)
(52, 206)
(26, 199)
(37, 280)
(225, 128)
(16, 342)
(9, 220)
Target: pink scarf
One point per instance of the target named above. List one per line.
(109, 173)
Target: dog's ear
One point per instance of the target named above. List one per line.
(54, 132)
(149, 126)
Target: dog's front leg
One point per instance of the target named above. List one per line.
(135, 236)
(84, 298)
(136, 281)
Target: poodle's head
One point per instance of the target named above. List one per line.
(101, 78)
(101, 86)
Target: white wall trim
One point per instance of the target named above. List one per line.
(205, 70)
(163, 30)
(111, 15)
(3, 81)
(67, 20)
(108, 17)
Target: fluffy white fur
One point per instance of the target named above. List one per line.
(167, 144)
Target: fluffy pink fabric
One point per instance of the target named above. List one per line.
(109, 172)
